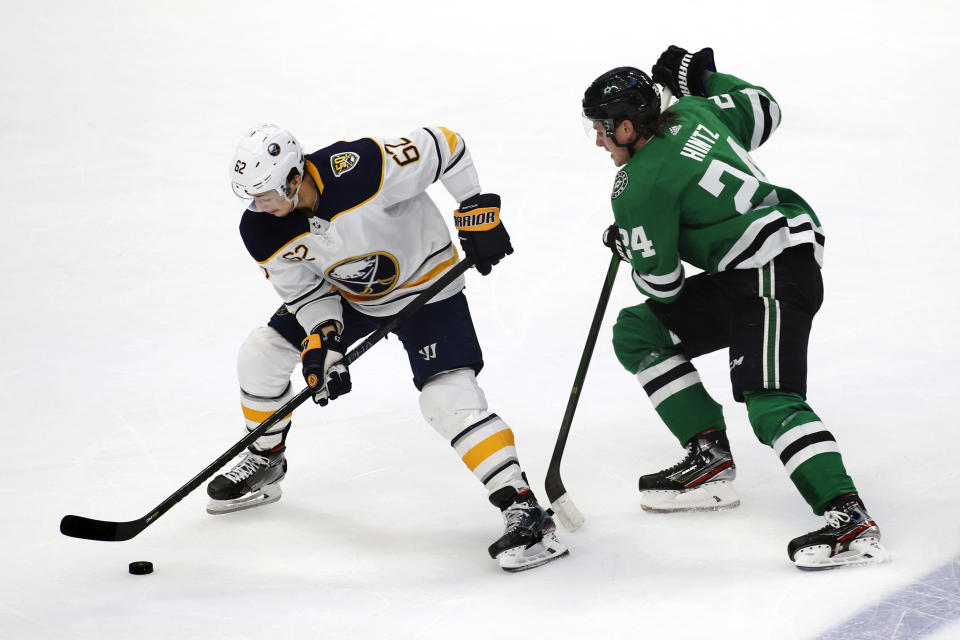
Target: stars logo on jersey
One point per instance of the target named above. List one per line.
(340, 163)
(675, 128)
(619, 184)
(367, 276)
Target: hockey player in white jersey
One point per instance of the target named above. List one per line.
(348, 236)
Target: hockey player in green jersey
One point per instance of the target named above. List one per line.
(688, 194)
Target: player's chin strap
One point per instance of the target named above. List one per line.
(296, 196)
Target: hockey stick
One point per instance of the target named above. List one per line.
(568, 513)
(90, 529)
(562, 505)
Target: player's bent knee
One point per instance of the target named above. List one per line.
(637, 335)
(265, 362)
(773, 412)
(451, 399)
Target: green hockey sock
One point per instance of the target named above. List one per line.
(809, 453)
(679, 397)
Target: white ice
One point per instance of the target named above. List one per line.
(126, 292)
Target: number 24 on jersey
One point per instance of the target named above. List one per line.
(636, 240)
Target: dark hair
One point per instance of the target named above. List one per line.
(654, 127)
(294, 172)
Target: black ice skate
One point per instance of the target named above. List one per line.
(850, 538)
(530, 538)
(702, 481)
(253, 482)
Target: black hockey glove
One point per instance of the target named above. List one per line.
(484, 239)
(323, 366)
(613, 240)
(683, 72)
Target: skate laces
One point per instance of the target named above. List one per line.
(692, 450)
(247, 467)
(836, 518)
(520, 514)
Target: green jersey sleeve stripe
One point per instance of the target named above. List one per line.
(768, 236)
(766, 116)
(660, 286)
(666, 279)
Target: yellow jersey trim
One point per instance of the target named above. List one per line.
(436, 271)
(428, 276)
(451, 138)
(288, 243)
(383, 171)
(312, 170)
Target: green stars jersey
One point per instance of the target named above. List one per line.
(695, 195)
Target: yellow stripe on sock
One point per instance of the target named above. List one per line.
(486, 448)
(259, 416)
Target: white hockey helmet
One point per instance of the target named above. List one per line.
(265, 161)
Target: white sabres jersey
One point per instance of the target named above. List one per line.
(376, 239)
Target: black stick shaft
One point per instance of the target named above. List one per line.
(90, 529)
(553, 482)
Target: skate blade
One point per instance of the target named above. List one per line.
(712, 496)
(266, 495)
(524, 558)
(861, 552)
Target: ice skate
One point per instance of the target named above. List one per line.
(702, 481)
(253, 482)
(850, 538)
(530, 538)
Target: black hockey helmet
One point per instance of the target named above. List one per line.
(624, 93)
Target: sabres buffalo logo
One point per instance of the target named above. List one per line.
(371, 275)
(340, 163)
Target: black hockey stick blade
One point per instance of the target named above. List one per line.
(108, 531)
(80, 527)
(563, 506)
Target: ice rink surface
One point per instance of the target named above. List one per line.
(126, 292)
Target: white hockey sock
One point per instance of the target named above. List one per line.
(454, 404)
(257, 409)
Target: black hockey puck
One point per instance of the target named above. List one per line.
(141, 568)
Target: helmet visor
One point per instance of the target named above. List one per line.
(267, 201)
(593, 129)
